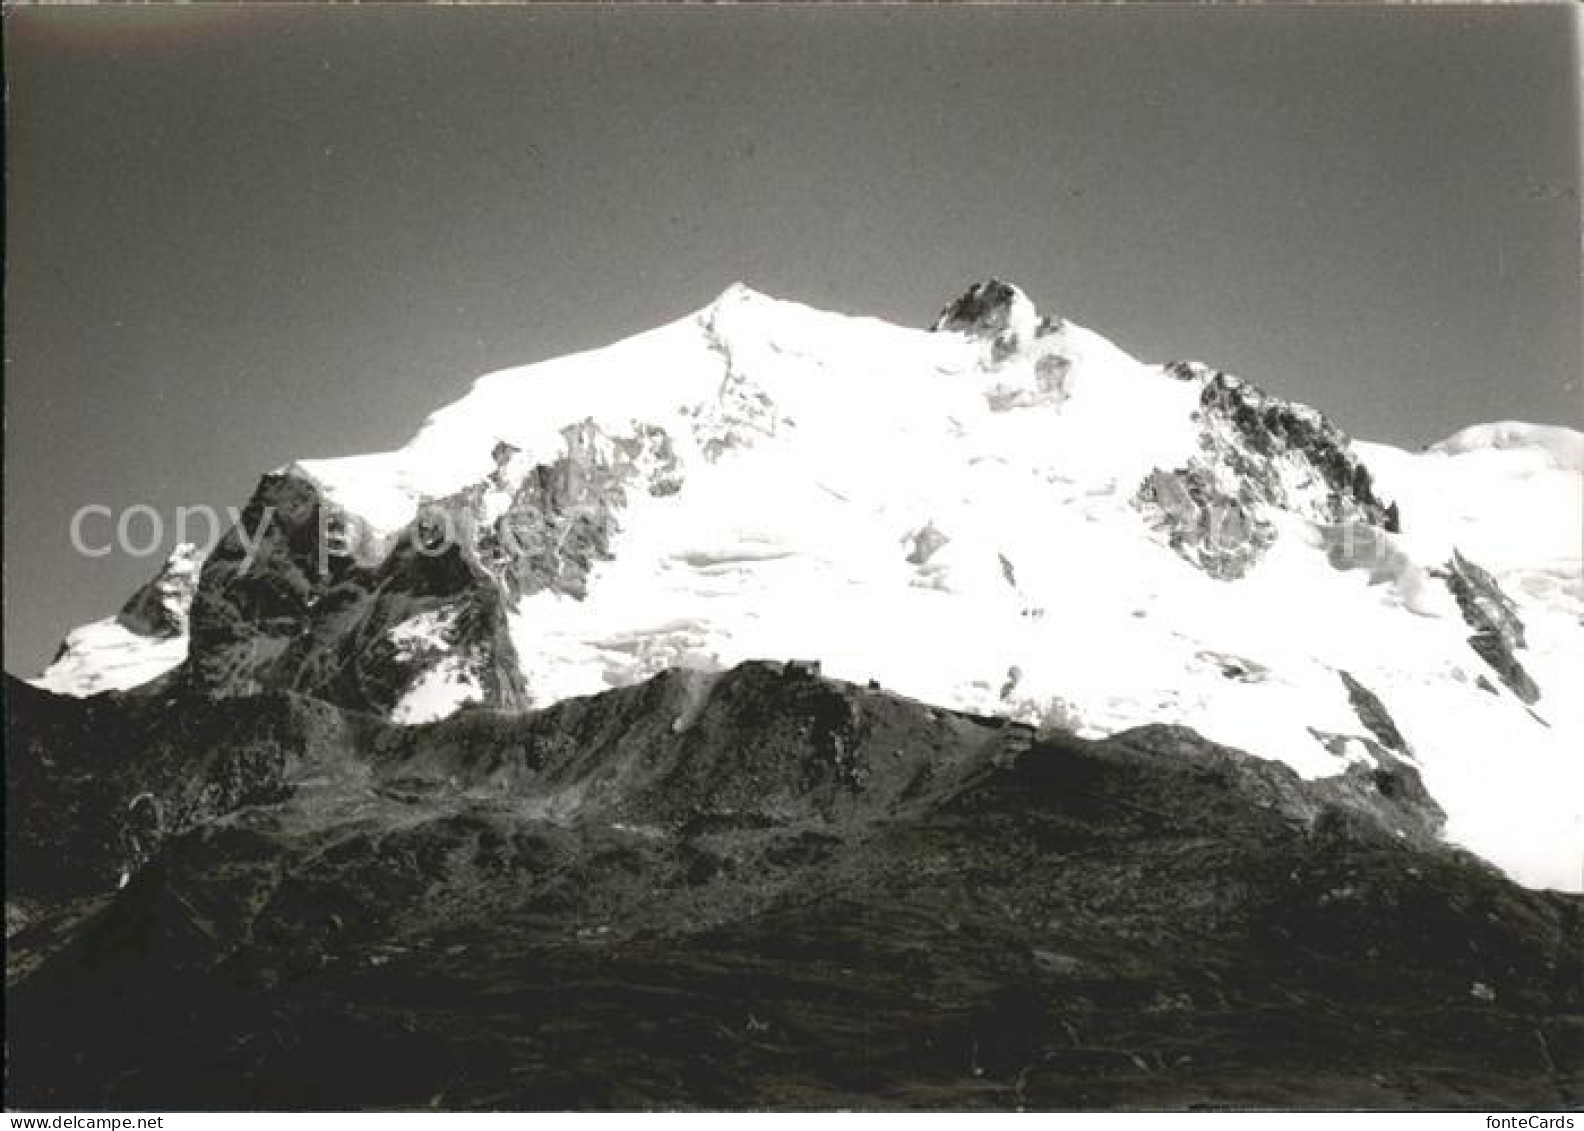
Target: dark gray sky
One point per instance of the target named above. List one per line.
(240, 236)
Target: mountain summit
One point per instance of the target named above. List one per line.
(1006, 514)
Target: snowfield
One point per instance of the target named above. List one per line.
(953, 514)
(108, 656)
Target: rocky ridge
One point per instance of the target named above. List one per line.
(760, 888)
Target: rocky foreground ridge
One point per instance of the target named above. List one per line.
(762, 888)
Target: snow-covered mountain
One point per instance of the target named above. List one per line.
(1005, 514)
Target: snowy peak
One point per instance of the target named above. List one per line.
(161, 607)
(144, 641)
(1005, 514)
(1562, 447)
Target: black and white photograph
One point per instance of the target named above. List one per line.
(793, 558)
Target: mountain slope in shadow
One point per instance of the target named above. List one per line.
(756, 889)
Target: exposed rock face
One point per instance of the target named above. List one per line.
(419, 623)
(924, 542)
(1373, 714)
(1218, 529)
(985, 309)
(1483, 604)
(736, 887)
(742, 413)
(258, 589)
(324, 608)
(306, 612)
(562, 515)
(1498, 631)
(1300, 459)
(1258, 454)
(162, 606)
(1194, 372)
(535, 540)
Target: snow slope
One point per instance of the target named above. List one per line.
(142, 642)
(108, 656)
(955, 513)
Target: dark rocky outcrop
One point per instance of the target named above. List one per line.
(161, 608)
(1194, 372)
(1373, 714)
(925, 541)
(1263, 428)
(983, 310)
(757, 889)
(1495, 652)
(1498, 630)
(1220, 532)
(1481, 601)
(258, 588)
(1213, 510)
(313, 608)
